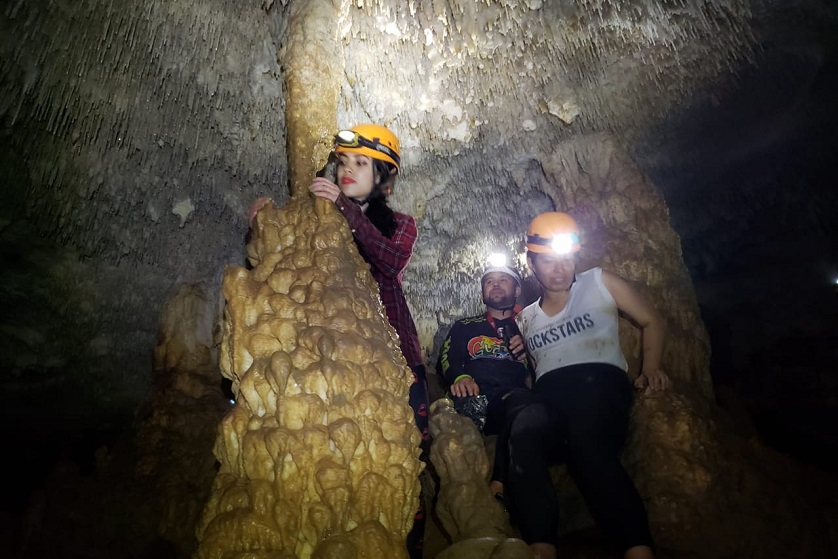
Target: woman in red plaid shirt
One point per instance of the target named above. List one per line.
(368, 162)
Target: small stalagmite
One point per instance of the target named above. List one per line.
(476, 522)
(320, 455)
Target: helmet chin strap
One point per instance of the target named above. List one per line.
(504, 309)
(506, 312)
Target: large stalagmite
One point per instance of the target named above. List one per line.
(319, 457)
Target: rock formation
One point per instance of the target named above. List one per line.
(319, 457)
(472, 518)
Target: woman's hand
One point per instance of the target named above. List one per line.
(655, 379)
(465, 387)
(324, 188)
(256, 206)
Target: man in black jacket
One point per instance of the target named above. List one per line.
(483, 362)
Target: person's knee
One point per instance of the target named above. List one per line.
(532, 421)
(530, 436)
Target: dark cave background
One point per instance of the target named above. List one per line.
(756, 206)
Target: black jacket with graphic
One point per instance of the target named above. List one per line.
(473, 347)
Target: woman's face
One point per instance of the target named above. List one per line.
(553, 272)
(356, 176)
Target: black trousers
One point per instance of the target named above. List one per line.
(499, 422)
(580, 417)
(418, 399)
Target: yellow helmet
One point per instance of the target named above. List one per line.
(372, 140)
(554, 232)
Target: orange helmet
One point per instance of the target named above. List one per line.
(372, 140)
(554, 232)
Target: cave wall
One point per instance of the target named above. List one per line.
(141, 134)
(747, 172)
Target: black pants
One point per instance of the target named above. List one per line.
(581, 418)
(500, 421)
(418, 399)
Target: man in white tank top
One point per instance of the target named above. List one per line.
(583, 391)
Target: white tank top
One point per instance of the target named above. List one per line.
(585, 331)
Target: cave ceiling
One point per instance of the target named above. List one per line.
(136, 136)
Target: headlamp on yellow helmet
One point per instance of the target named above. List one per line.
(372, 140)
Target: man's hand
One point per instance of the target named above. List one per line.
(465, 387)
(324, 188)
(518, 348)
(655, 379)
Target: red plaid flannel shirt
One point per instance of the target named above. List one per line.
(387, 259)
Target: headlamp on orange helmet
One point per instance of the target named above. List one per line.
(372, 140)
(553, 232)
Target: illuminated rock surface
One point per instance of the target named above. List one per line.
(319, 457)
(471, 517)
(465, 505)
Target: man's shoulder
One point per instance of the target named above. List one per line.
(476, 319)
(472, 319)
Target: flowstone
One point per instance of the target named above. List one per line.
(320, 455)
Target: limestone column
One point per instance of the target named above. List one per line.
(320, 455)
